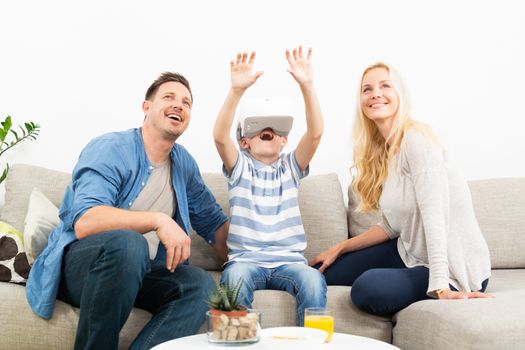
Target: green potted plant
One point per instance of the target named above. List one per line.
(10, 138)
(223, 300)
(229, 321)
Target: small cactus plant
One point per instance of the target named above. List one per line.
(224, 297)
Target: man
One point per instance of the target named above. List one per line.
(123, 236)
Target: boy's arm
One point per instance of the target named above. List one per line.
(242, 78)
(301, 70)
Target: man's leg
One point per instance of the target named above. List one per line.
(102, 275)
(305, 283)
(254, 278)
(177, 300)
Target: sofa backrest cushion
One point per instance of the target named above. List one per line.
(21, 181)
(359, 222)
(500, 209)
(499, 205)
(320, 201)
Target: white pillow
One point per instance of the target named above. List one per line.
(41, 219)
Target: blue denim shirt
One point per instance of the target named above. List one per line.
(112, 170)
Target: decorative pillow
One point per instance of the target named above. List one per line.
(41, 219)
(13, 261)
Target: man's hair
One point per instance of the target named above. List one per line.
(165, 78)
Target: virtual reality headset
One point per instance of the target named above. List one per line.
(252, 126)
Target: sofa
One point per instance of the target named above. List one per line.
(497, 323)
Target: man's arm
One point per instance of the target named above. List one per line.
(242, 78)
(301, 70)
(104, 218)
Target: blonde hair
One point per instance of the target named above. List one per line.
(371, 150)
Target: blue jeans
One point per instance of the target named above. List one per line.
(381, 282)
(306, 284)
(107, 274)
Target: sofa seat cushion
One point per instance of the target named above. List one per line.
(278, 310)
(22, 329)
(497, 323)
(349, 319)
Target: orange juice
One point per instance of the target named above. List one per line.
(322, 322)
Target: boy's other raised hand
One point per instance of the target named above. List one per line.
(242, 76)
(300, 65)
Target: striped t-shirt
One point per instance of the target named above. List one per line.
(265, 223)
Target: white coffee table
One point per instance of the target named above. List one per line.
(339, 341)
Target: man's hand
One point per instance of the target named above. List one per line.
(300, 66)
(241, 71)
(174, 239)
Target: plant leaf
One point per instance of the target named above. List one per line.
(4, 173)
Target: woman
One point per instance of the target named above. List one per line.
(428, 244)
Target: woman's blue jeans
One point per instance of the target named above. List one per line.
(381, 283)
(306, 284)
(107, 274)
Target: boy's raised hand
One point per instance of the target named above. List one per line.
(241, 71)
(300, 65)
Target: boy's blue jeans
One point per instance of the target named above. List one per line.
(306, 284)
(108, 273)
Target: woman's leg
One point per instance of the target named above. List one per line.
(348, 267)
(387, 291)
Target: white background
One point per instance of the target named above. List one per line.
(80, 69)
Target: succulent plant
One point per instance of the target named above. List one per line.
(224, 297)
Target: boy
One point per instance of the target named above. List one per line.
(266, 239)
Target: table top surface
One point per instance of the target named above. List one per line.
(339, 341)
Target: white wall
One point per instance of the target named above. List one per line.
(81, 69)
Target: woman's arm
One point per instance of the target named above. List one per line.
(372, 236)
(429, 174)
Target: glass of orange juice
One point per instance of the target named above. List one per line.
(320, 318)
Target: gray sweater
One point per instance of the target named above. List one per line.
(429, 208)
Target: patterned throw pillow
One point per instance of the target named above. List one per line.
(13, 261)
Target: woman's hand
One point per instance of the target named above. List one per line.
(451, 294)
(242, 76)
(326, 258)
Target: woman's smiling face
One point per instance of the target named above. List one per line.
(379, 99)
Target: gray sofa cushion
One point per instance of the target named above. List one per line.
(468, 324)
(278, 310)
(22, 329)
(500, 209)
(499, 205)
(19, 185)
(359, 222)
